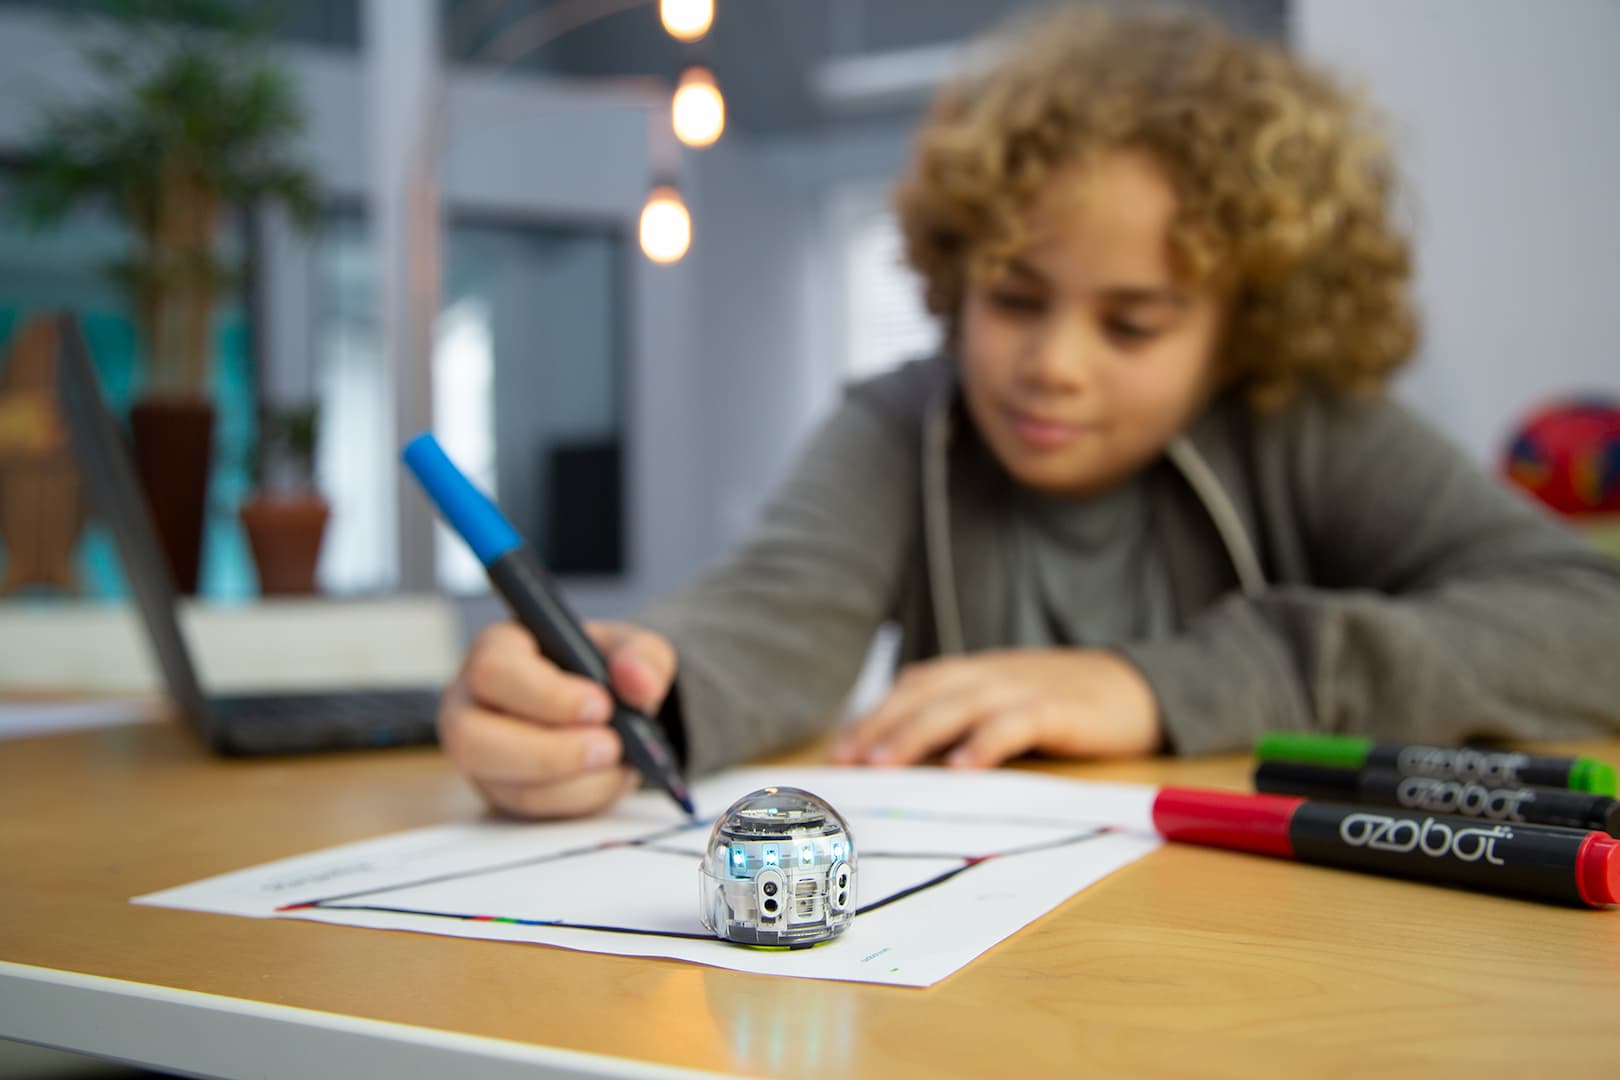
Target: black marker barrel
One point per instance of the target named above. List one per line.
(536, 602)
(1492, 768)
(1499, 768)
(1386, 787)
(1540, 861)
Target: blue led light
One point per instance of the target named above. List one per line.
(739, 858)
(770, 856)
(837, 850)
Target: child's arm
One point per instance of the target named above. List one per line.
(770, 641)
(1440, 606)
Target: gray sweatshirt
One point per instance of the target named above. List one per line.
(1334, 566)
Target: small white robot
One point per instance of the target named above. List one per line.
(779, 871)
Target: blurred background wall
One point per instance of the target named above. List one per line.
(1503, 115)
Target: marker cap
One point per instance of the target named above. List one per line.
(1343, 751)
(1590, 774)
(468, 510)
(1597, 870)
(1257, 823)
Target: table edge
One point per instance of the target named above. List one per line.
(215, 1035)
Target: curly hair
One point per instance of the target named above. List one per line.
(1283, 182)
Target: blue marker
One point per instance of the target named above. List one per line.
(518, 575)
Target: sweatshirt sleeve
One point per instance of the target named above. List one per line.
(1442, 606)
(770, 641)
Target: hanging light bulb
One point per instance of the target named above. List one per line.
(686, 20)
(666, 227)
(698, 112)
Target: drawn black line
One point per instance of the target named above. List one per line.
(648, 843)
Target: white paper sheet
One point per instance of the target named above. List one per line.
(22, 719)
(985, 852)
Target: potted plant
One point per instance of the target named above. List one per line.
(192, 123)
(285, 518)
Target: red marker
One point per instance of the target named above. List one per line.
(1544, 862)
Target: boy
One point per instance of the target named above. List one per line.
(1148, 497)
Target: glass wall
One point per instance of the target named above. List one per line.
(528, 375)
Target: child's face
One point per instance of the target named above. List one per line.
(1087, 355)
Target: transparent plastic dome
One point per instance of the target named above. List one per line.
(779, 869)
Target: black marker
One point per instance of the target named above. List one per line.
(1543, 862)
(1491, 768)
(518, 575)
(1386, 787)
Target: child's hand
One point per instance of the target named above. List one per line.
(533, 738)
(985, 708)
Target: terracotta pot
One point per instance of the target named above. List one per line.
(174, 444)
(41, 515)
(285, 532)
(41, 505)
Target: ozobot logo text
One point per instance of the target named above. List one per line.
(1436, 839)
(1459, 797)
(1464, 764)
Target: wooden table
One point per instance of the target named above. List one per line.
(1190, 961)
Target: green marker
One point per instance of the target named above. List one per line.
(1492, 768)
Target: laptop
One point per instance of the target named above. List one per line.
(280, 722)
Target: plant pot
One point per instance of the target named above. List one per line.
(41, 515)
(41, 506)
(285, 533)
(174, 448)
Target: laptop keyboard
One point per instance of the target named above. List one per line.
(291, 723)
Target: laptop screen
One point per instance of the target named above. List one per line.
(109, 475)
